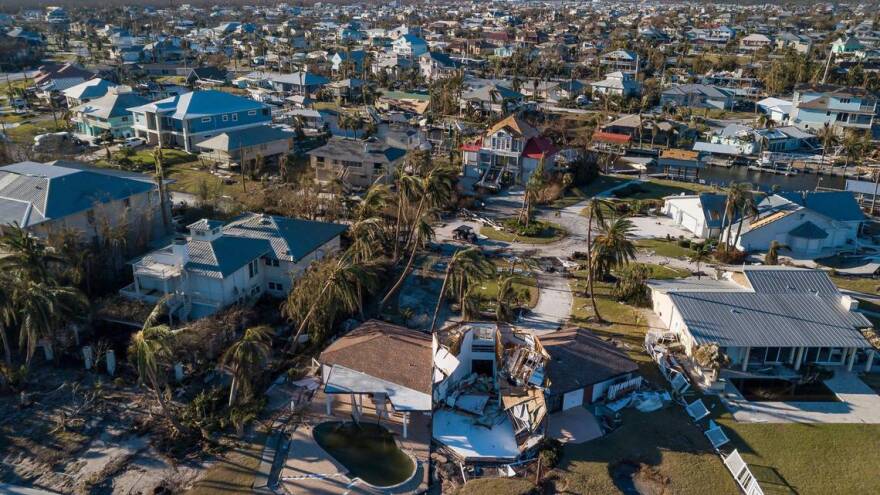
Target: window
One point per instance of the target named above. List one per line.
(225, 117)
(205, 120)
(252, 112)
(265, 111)
(235, 117)
(319, 159)
(253, 268)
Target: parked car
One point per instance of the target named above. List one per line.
(133, 142)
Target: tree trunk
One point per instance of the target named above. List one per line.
(394, 258)
(233, 391)
(166, 410)
(302, 324)
(440, 297)
(738, 229)
(403, 276)
(590, 267)
(7, 354)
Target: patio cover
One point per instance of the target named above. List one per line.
(472, 441)
(343, 380)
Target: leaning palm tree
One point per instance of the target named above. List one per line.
(736, 192)
(748, 209)
(828, 138)
(149, 352)
(246, 359)
(160, 181)
(613, 247)
(337, 282)
(436, 189)
(534, 186)
(466, 267)
(594, 212)
(772, 256)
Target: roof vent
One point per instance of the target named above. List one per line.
(734, 311)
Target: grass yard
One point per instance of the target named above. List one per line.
(664, 440)
(809, 458)
(660, 272)
(660, 188)
(498, 486)
(662, 247)
(552, 233)
(235, 472)
(577, 194)
(25, 132)
(489, 289)
(859, 284)
(143, 159)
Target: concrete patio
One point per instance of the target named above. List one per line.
(858, 404)
(575, 425)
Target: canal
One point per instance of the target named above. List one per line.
(765, 181)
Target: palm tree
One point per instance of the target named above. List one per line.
(613, 247)
(735, 194)
(534, 186)
(339, 282)
(7, 315)
(160, 181)
(150, 351)
(25, 256)
(594, 212)
(772, 256)
(41, 308)
(505, 299)
(435, 191)
(246, 359)
(748, 208)
(467, 266)
(852, 149)
(828, 139)
(700, 256)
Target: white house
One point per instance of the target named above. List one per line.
(618, 84)
(700, 214)
(409, 46)
(809, 224)
(766, 316)
(218, 265)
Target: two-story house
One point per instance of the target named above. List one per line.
(48, 198)
(437, 65)
(509, 152)
(190, 118)
(218, 265)
(617, 84)
(409, 46)
(108, 113)
(87, 90)
(356, 163)
(841, 108)
(698, 96)
(619, 60)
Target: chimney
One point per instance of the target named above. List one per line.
(180, 251)
(849, 303)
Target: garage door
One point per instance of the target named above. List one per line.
(689, 222)
(572, 399)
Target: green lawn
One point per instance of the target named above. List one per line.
(235, 472)
(660, 272)
(809, 458)
(662, 247)
(577, 194)
(24, 134)
(664, 440)
(859, 284)
(552, 233)
(489, 290)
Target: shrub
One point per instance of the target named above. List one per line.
(730, 256)
(631, 285)
(550, 453)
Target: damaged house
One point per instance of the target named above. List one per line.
(488, 392)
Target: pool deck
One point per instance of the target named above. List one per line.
(858, 404)
(309, 469)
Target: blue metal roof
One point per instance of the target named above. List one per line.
(225, 254)
(201, 103)
(837, 205)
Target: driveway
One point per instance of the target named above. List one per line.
(575, 425)
(553, 308)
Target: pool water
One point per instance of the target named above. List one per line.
(367, 450)
(778, 390)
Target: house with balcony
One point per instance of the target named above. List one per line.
(249, 146)
(844, 109)
(109, 113)
(438, 65)
(186, 120)
(356, 163)
(617, 84)
(220, 264)
(87, 90)
(409, 46)
(619, 60)
(508, 153)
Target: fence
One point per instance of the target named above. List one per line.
(742, 474)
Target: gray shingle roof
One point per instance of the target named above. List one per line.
(290, 239)
(579, 358)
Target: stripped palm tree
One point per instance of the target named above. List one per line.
(149, 353)
(246, 358)
(505, 299)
